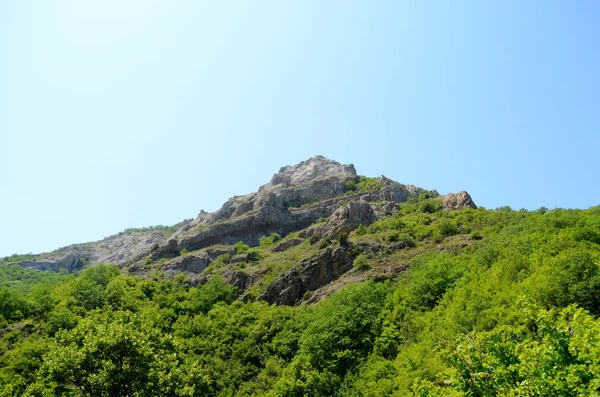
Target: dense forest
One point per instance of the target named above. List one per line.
(512, 310)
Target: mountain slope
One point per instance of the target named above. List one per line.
(389, 295)
(309, 204)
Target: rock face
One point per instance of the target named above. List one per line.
(286, 245)
(70, 262)
(118, 249)
(347, 218)
(293, 201)
(194, 264)
(310, 274)
(458, 201)
(294, 198)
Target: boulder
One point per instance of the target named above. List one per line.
(347, 218)
(457, 201)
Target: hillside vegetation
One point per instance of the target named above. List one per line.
(473, 302)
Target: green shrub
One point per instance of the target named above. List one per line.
(268, 240)
(240, 247)
(360, 230)
(253, 255)
(408, 239)
(429, 206)
(366, 183)
(475, 235)
(361, 263)
(222, 259)
(351, 186)
(392, 237)
(183, 252)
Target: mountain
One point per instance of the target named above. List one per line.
(321, 283)
(307, 204)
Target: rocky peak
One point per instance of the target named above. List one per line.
(315, 168)
(458, 201)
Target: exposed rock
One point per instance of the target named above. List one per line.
(69, 262)
(286, 245)
(310, 274)
(239, 258)
(277, 207)
(239, 279)
(347, 218)
(377, 249)
(458, 201)
(189, 263)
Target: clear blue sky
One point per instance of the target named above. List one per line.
(117, 114)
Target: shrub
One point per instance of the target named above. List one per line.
(361, 263)
(240, 247)
(392, 237)
(351, 186)
(222, 259)
(408, 239)
(253, 256)
(361, 230)
(183, 252)
(475, 235)
(429, 206)
(268, 240)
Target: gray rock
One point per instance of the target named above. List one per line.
(457, 201)
(294, 198)
(239, 279)
(286, 245)
(347, 218)
(311, 273)
(189, 263)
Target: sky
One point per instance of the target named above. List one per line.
(118, 114)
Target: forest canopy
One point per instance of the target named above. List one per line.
(513, 313)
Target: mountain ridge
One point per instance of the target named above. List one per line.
(295, 200)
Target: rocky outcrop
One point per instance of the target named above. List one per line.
(194, 263)
(310, 274)
(347, 218)
(294, 198)
(240, 280)
(457, 201)
(286, 245)
(69, 262)
(188, 263)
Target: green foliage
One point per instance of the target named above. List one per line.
(514, 313)
(268, 240)
(222, 259)
(361, 262)
(364, 184)
(351, 185)
(360, 230)
(240, 247)
(554, 353)
(253, 255)
(430, 206)
(167, 230)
